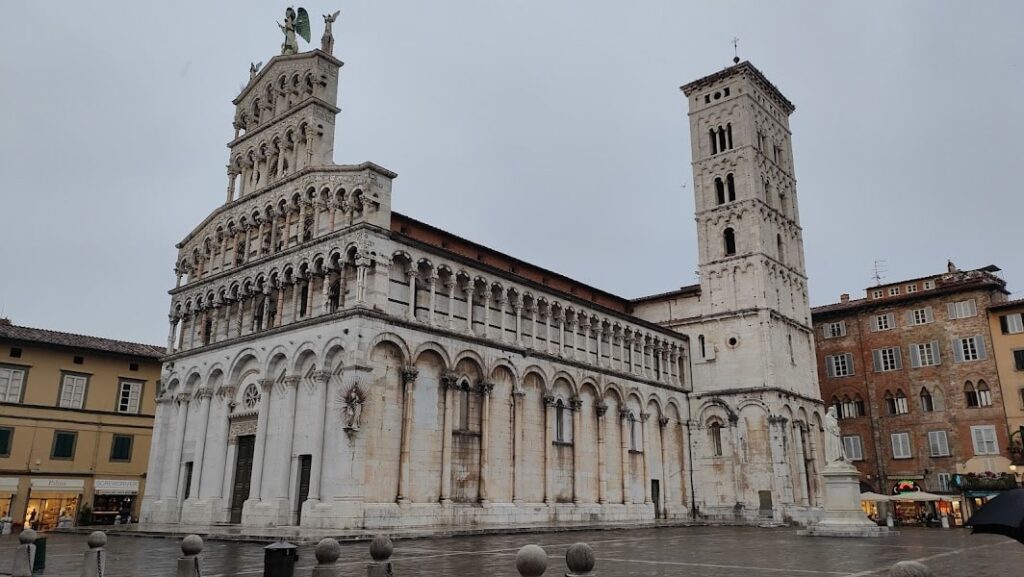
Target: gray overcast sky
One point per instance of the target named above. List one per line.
(553, 131)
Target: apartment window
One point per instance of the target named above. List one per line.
(961, 309)
(927, 402)
(6, 440)
(850, 409)
(887, 359)
(854, 448)
(64, 445)
(128, 397)
(925, 354)
(977, 396)
(901, 445)
(1012, 324)
(896, 405)
(944, 479)
(911, 288)
(928, 285)
(938, 444)
(984, 437)
(121, 448)
(835, 330)
(72, 391)
(894, 291)
(12, 381)
(839, 365)
(133, 366)
(882, 322)
(920, 316)
(969, 349)
(15, 352)
(78, 360)
(1018, 359)
(876, 294)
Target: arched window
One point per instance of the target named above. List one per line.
(728, 134)
(334, 296)
(721, 139)
(938, 399)
(303, 298)
(838, 406)
(984, 395)
(716, 439)
(730, 185)
(849, 409)
(714, 141)
(858, 404)
(890, 403)
(719, 190)
(780, 248)
(632, 433)
(257, 316)
(901, 404)
(729, 237)
(927, 404)
(464, 408)
(560, 421)
(700, 343)
(971, 395)
(207, 330)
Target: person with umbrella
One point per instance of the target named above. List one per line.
(1003, 515)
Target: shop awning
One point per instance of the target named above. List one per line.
(8, 484)
(872, 496)
(919, 496)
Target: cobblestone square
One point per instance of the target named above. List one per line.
(692, 551)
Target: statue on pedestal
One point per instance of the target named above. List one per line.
(834, 450)
(327, 40)
(294, 22)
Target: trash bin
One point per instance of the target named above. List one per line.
(40, 559)
(279, 559)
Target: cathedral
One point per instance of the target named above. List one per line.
(334, 364)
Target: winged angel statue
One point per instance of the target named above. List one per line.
(294, 22)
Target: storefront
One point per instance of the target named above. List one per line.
(8, 489)
(53, 503)
(913, 506)
(114, 501)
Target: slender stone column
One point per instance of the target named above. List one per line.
(570, 321)
(485, 389)
(170, 335)
(279, 316)
(284, 461)
(449, 285)
(644, 475)
(798, 446)
(586, 339)
(214, 324)
(204, 394)
(560, 319)
(325, 293)
(517, 444)
(362, 264)
(265, 321)
(432, 285)
(322, 380)
(549, 420)
(486, 298)
(310, 295)
(256, 480)
(174, 470)
(411, 312)
(469, 307)
(232, 176)
(547, 329)
(534, 311)
(518, 306)
(405, 455)
(192, 329)
(599, 332)
(576, 404)
(624, 434)
(449, 382)
(665, 480)
(297, 291)
(622, 349)
(502, 301)
(602, 468)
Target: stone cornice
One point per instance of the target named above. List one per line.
(756, 390)
(278, 121)
(742, 312)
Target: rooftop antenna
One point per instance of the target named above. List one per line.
(736, 50)
(879, 272)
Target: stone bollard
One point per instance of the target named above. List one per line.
(188, 566)
(25, 555)
(94, 563)
(580, 560)
(531, 561)
(381, 549)
(327, 553)
(910, 569)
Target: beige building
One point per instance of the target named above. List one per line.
(1007, 323)
(76, 418)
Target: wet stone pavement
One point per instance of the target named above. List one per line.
(690, 551)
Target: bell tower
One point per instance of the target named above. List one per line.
(751, 258)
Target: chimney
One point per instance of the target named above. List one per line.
(844, 298)
(5, 322)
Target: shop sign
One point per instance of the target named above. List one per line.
(116, 486)
(8, 484)
(905, 486)
(70, 485)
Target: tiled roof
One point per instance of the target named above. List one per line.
(1007, 304)
(70, 340)
(691, 289)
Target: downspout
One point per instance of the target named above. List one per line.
(689, 438)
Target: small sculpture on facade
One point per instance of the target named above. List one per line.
(352, 408)
(327, 40)
(834, 450)
(254, 69)
(294, 23)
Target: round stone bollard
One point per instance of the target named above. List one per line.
(188, 565)
(94, 562)
(579, 558)
(531, 561)
(25, 555)
(381, 549)
(327, 553)
(910, 569)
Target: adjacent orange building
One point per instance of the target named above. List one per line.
(76, 419)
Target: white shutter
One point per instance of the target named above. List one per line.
(972, 308)
(849, 363)
(892, 320)
(830, 366)
(910, 318)
(898, 357)
(979, 342)
(928, 314)
(842, 328)
(951, 311)
(915, 356)
(958, 351)
(978, 437)
(936, 353)
(877, 358)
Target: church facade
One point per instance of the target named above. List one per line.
(334, 364)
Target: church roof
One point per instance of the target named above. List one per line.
(73, 341)
(688, 290)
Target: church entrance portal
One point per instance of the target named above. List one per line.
(243, 475)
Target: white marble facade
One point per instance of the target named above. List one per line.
(329, 369)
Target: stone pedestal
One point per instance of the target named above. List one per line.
(843, 516)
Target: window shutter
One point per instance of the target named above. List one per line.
(915, 356)
(898, 357)
(958, 351)
(830, 366)
(874, 324)
(979, 341)
(842, 328)
(951, 310)
(877, 358)
(928, 314)
(849, 363)
(978, 437)
(909, 317)
(1004, 325)
(936, 352)
(896, 446)
(972, 308)
(944, 443)
(892, 320)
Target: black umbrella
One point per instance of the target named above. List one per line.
(1003, 515)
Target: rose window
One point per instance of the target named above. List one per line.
(251, 397)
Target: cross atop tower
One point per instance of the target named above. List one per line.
(736, 50)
